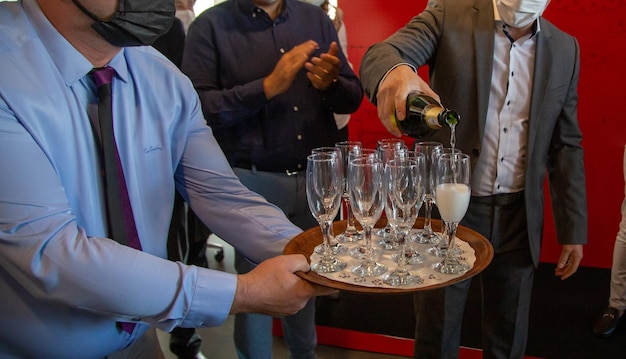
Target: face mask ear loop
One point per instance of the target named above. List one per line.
(85, 11)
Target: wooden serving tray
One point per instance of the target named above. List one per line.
(305, 242)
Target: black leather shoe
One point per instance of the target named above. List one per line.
(606, 323)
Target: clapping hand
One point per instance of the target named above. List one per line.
(285, 71)
(324, 70)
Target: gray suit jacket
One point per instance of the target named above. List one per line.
(455, 39)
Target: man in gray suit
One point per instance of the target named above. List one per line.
(513, 77)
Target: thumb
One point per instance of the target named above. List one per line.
(334, 49)
(296, 263)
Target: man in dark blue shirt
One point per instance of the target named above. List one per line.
(270, 74)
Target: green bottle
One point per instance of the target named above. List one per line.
(424, 116)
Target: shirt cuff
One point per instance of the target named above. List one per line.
(212, 299)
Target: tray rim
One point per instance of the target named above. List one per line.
(307, 240)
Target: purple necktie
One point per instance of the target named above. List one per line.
(120, 220)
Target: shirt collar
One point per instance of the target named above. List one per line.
(500, 23)
(249, 8)
(71, 64)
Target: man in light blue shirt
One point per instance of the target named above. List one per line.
(64, 284)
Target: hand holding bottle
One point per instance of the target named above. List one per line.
(392, 94)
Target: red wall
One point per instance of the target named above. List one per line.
(601, 32)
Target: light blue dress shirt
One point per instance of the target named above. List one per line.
(63, 284)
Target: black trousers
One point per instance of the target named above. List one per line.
(506, 286)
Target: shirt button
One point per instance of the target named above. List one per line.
(295, 109)
(282, 51)
(299, 137)
(299, 165)
(505, 130)
(501, 159)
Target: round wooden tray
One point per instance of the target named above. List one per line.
(307, 240)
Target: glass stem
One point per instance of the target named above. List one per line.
(326, 234)
(369, 253)
(428, 215)
(350, 226)
(451, 227)
(402, 259)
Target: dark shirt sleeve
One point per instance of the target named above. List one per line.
(231, 94)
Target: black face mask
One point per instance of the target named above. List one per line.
(135, 23)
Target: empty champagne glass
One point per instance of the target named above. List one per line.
(360, 251)
(323, 193)
(350, 234)
(452, 194)
(367, 195)
(412, 254)
(431, 151)
(335, 246)
(405, 191)
(387, 149)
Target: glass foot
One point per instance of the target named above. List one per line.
(431, 237)
(349, 236)
(385, 232)
(399, 278)
(410, 257)
(369, 269)
(335, 248)
(451, 266)
(361, 251)
(442, 252)
(329, 265)
(388, 244)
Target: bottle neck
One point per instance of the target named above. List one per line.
(448, 117)
(433, 115)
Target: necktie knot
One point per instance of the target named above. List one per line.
(103, 75)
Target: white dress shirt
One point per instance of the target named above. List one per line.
(502, 162)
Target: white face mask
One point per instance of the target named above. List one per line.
(521, 13)
(315, 2)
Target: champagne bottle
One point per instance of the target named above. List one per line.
(424, 116)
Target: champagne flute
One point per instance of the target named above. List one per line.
(387, 149)
(405, 191)
(412, 254)
(335, 246)
(351, 234)
(431, 151)
(323, 193)
(360, 251)
(440, 249)
(452, 193)
(367, 195)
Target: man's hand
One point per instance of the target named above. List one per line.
(392, 93)
(569, 260)
(324, 70)
(272, 287)
(285, 71)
